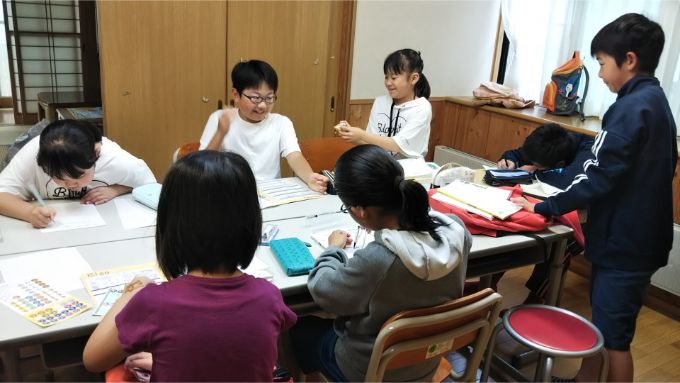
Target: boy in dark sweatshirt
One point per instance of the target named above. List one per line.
(627, 187)
(555, 156)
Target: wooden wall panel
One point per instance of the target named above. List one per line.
(505, 133)
(472, 131)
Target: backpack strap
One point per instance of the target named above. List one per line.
(585, 93)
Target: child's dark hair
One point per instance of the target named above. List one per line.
(208, 215)
(547, 145)
(409, 61)
(631, 32)
(67, 148)
(252, 73)
(368, 176)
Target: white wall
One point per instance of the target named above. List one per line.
(456, 40)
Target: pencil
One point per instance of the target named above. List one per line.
(37, 196)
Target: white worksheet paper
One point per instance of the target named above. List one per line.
(71, 216)
(134, 215)
(61, 268)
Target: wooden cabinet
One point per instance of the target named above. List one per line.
(163, 72)
(165, 65)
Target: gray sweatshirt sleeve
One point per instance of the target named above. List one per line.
(342, 286)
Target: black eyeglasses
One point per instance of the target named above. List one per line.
(344, 209)
(258, 99)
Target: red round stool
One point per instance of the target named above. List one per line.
(552, 332)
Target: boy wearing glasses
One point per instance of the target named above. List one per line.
(252, 131)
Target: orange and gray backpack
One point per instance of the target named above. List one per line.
(561, 95)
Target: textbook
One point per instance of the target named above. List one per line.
(490, 200)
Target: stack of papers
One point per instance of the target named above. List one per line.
(485, 201)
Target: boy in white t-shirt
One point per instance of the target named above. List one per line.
(255, 133)
(69, 160)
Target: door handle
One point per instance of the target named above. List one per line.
(333, 104)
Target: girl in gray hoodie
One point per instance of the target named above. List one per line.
(418, 259)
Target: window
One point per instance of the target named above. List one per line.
(544, 34)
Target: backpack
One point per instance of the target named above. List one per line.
(561, 93)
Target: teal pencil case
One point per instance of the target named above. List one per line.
(293, 255)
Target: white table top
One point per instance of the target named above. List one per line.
(111, 246)
(20, 237)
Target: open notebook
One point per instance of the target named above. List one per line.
(480, 198)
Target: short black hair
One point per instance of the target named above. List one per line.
(251, 74)
(368, 176)
(209, 215)
(631, 32)
(408, 61)
(548, 145)
(67, 148)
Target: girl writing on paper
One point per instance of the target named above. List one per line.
(418, 259)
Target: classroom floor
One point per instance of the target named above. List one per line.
(656, 349)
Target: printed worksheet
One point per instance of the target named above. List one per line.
(281, 191)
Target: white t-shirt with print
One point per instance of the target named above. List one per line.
(410, 124)
(114, 166)
(262, 144)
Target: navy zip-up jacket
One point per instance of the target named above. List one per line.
(580, 152)
(627, 186)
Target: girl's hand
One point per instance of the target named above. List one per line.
(337, 128)
(317, 182)
(526, 205)
(142, 360)
(339, 238)
(350, 133)
(41, 216)
(137, 283)
(505, 164)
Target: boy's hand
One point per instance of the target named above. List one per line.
(505, 164)
(100, 195)
(529, 168)
(526, 205)
(227, 115)
(317, 182)
(42, 216)
(339, 238)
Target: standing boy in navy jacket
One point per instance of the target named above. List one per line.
(627, 187)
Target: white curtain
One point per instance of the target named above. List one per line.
(543, 35)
